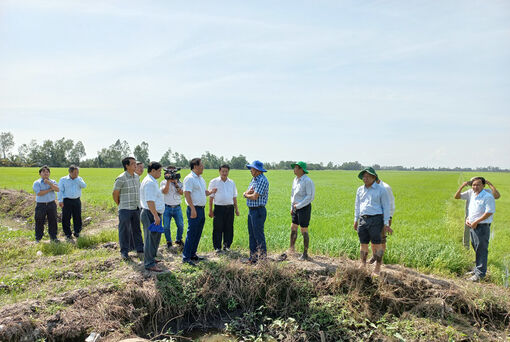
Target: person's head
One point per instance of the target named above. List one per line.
(256, 168)
(44, 172)
(139, 168)
(368, 176)
(129, 164)
(255, 172)
(477, 184)
(224, 170)
(171, 167)
(74, 171)
(154, 169)
(299, 168)
(196, 166)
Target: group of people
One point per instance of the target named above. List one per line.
(156, 204)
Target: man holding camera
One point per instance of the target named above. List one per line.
(171, 188)
(153, 206)
(195, 193)
(225, 203)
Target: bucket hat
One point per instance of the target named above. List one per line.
(257, 165)
(301, 165)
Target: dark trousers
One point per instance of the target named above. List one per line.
(129, 228)
(194, 233)
(152, 239)
(223, 226)
(72, 207)
(43, 211)
(256, 220)
(480, 241)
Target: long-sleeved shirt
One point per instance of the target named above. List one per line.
(39, 186)
(391, 198)
(70, 188)
(373, 200)
(303, 192)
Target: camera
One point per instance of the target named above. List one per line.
(172, 173)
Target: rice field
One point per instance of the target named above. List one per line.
(428, 222)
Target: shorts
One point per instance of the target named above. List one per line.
(301, 216)
(370, 229)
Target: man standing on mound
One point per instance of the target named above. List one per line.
(392, 211)
(371, 216)
(256, 200)
(302, 195)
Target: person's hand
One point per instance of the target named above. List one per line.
(193, 213)
(211, 214)
(250, 192)
(157, 220)
(465, 184)
(468, 223)
(61, 204)
(356, 226)
(488, 183)
(291, 211)
(47, 181)
(388, 230)
(389, 224)
(213, 190)
(474, 225)
(237, 212)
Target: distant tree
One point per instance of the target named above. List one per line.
(141, 153)
(6, 142)
(351, 166)
(211, 161)
(376, 166)
(113, 155)
(166, 158)
(180, 160)
(238, 162)
(77, 153)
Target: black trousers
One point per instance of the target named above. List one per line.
(223, 226)
(72, 207)
(43, 211)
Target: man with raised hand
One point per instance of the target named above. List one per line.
(371, 216)
(256, 200)
(482, 207)
(69, 200)
(225, 204)
(46, 207)
(126, 194)
(302, 195)
(467, 229)
(153, 206)
(195, 194)
(392, 211)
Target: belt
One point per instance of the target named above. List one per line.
(368, 216)
(69, 198)
(260, 206)
(226, 205)
(172, 206)
(200, 206)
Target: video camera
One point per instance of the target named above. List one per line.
(171, 174)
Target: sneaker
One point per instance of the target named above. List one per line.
(218, 251)
(475, 278)
(282, 257)
(470, 273)
(303, 257)
(226, 249)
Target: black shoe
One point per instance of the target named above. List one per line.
(197, 258)
(189, 262)
(76, 235)
(169, 245)
(179, 243)
(70, 239)
(126, 258)
(55, 240)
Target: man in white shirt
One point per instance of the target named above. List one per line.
(153, 206)
(172, 191)
(392, 211)
(225, 203)
(482, 207)
(195, 193)
(302, 195)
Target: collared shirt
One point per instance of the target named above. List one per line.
(391, 197)
(372, 201)
(303, 192)
(196, 186)
(226, 191)
(479, 204)
(466, 195)
(172, 197)
(70, 188)
(260, 185)
(149, 191)
(38, 186)
(129, 187)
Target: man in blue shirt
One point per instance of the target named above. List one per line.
(371, 216)
(46, 207)
(256, 196)
(69, 200)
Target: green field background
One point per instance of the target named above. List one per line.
(428, 222)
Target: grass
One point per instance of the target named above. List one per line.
(428, 222)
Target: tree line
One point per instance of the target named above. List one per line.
(63, 152)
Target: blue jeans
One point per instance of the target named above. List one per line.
(480, 241)
(256, 219)
(151, 239)
(129, 228)
(194, 233)
(176, 213)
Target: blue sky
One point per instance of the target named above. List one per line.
(414, 83)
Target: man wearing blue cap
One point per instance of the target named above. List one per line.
(256, 200)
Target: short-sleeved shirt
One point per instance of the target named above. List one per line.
(466, 195)
(149, 191)
(303, 192)
(38, 186)
(196, 186)
(226, 191)
(260, 185)
(479, 204)
(129, 186)
(172, 197)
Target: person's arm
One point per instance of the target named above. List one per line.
(310, 193)
(117, 186)
(116, 196)
(81, 183)
(152, 209)
(251, 196)
(385, 200)
(165, 187)
(356, 211)
(213, 191)
(211, 213)
(178, 187)
(459, 190)
(53, 187)
(475, 223)
(495, 192)
(60, 194)
(235, 205)
(187, 195)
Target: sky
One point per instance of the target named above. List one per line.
(412, 83)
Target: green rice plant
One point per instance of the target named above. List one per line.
(87, 241)
(56, 248)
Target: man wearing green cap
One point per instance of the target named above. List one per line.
(303, 193)
(371, 216)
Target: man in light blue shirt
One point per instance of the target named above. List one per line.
(371, 216)
(69, 200)
(46, 207)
